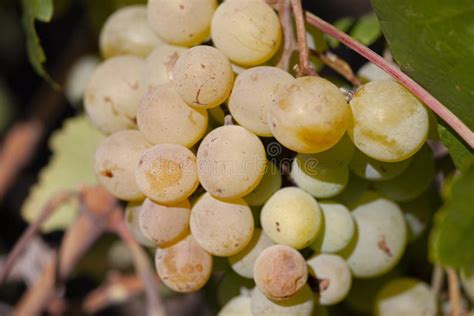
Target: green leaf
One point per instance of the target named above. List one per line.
(366, 30)
(432, 41)
(41, 10)
(343, 25)
(459, 152)
(71, 165)
(453, 233)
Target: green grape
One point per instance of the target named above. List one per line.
(300, 304)
(381, 236)
(127, 32)
(231, 162)
(291, 217)
(413, 181)
(184, 23)
(164, 224)
(167, 173)
(333, 276)
(238, 306)
(203, 77)
(222, 228)
(115, 161)
(389, 123)
(113, 93)
(405, 296)
(467, 280)
(164, 118)
(132, 215)
(417, 214)
(233, 285)
(280, 272)
(270, 183)
(309, 115)
(243, 262)
(319, 182)
(247, 32)
(253, 93)
(375, 170)
(185, 266)
(159, 65)
(353, 190)
(337, 230)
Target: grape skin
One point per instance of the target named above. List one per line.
(381, 237)
(300, 304)
(115, 162)
(309, 115)
(390, 124)
(247, 32)
(127, 32)
(291, 217)
(203, 77)
(164, 118)
(252, 95)
(405, 296)
(162, 224)
(166, 173)
(231, 162)
(159, 65)
(132, 213)
(338, 228)
(238, 306)
(185, 23)
(280, 272)
(113, 93)
(243, 262)
(183, 267)
(222, 228)
(270, 183)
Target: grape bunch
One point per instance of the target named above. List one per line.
(187, 96)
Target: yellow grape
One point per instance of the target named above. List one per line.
(270, 183)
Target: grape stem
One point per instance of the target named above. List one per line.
(437, 107)
(304, 68)
(284, 13)
(337, 64)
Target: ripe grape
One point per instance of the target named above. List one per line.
(375, 170)
(243, 262)
(252, 95)
(405, 296)
(232, 285)
(113, 93)
(333, 277)
(309, 115)
(203, 77)
(159, 65)
(78, 77)
(317, 181)
(115, 162)
(185, 266)
(280, 272)
(413, 181)
(381, 236)
(353, 190)
(127, 32)
(238, 306)
(337, 229)
(167, 174)
(183, 22)
(291, 217)
(132, 215)
(164, 118)
(390, 124)
(270, 183)
(247, 32)
(300, 304)
(164, 224)
(231, 162)
(222, 228)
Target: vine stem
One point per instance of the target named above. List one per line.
(304, 66)
(437, 107)
(454, 292)
(284, 13)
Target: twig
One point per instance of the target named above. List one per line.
(21, 244)
(339, 65)
(454, 292)
(443, 112)
(284, 12)
(437, 280)
(304, 68)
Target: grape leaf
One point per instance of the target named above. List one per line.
(71, 165)
(342, 24)
(41, 10)
(453, 233)
(366, 30)
(433, 43)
